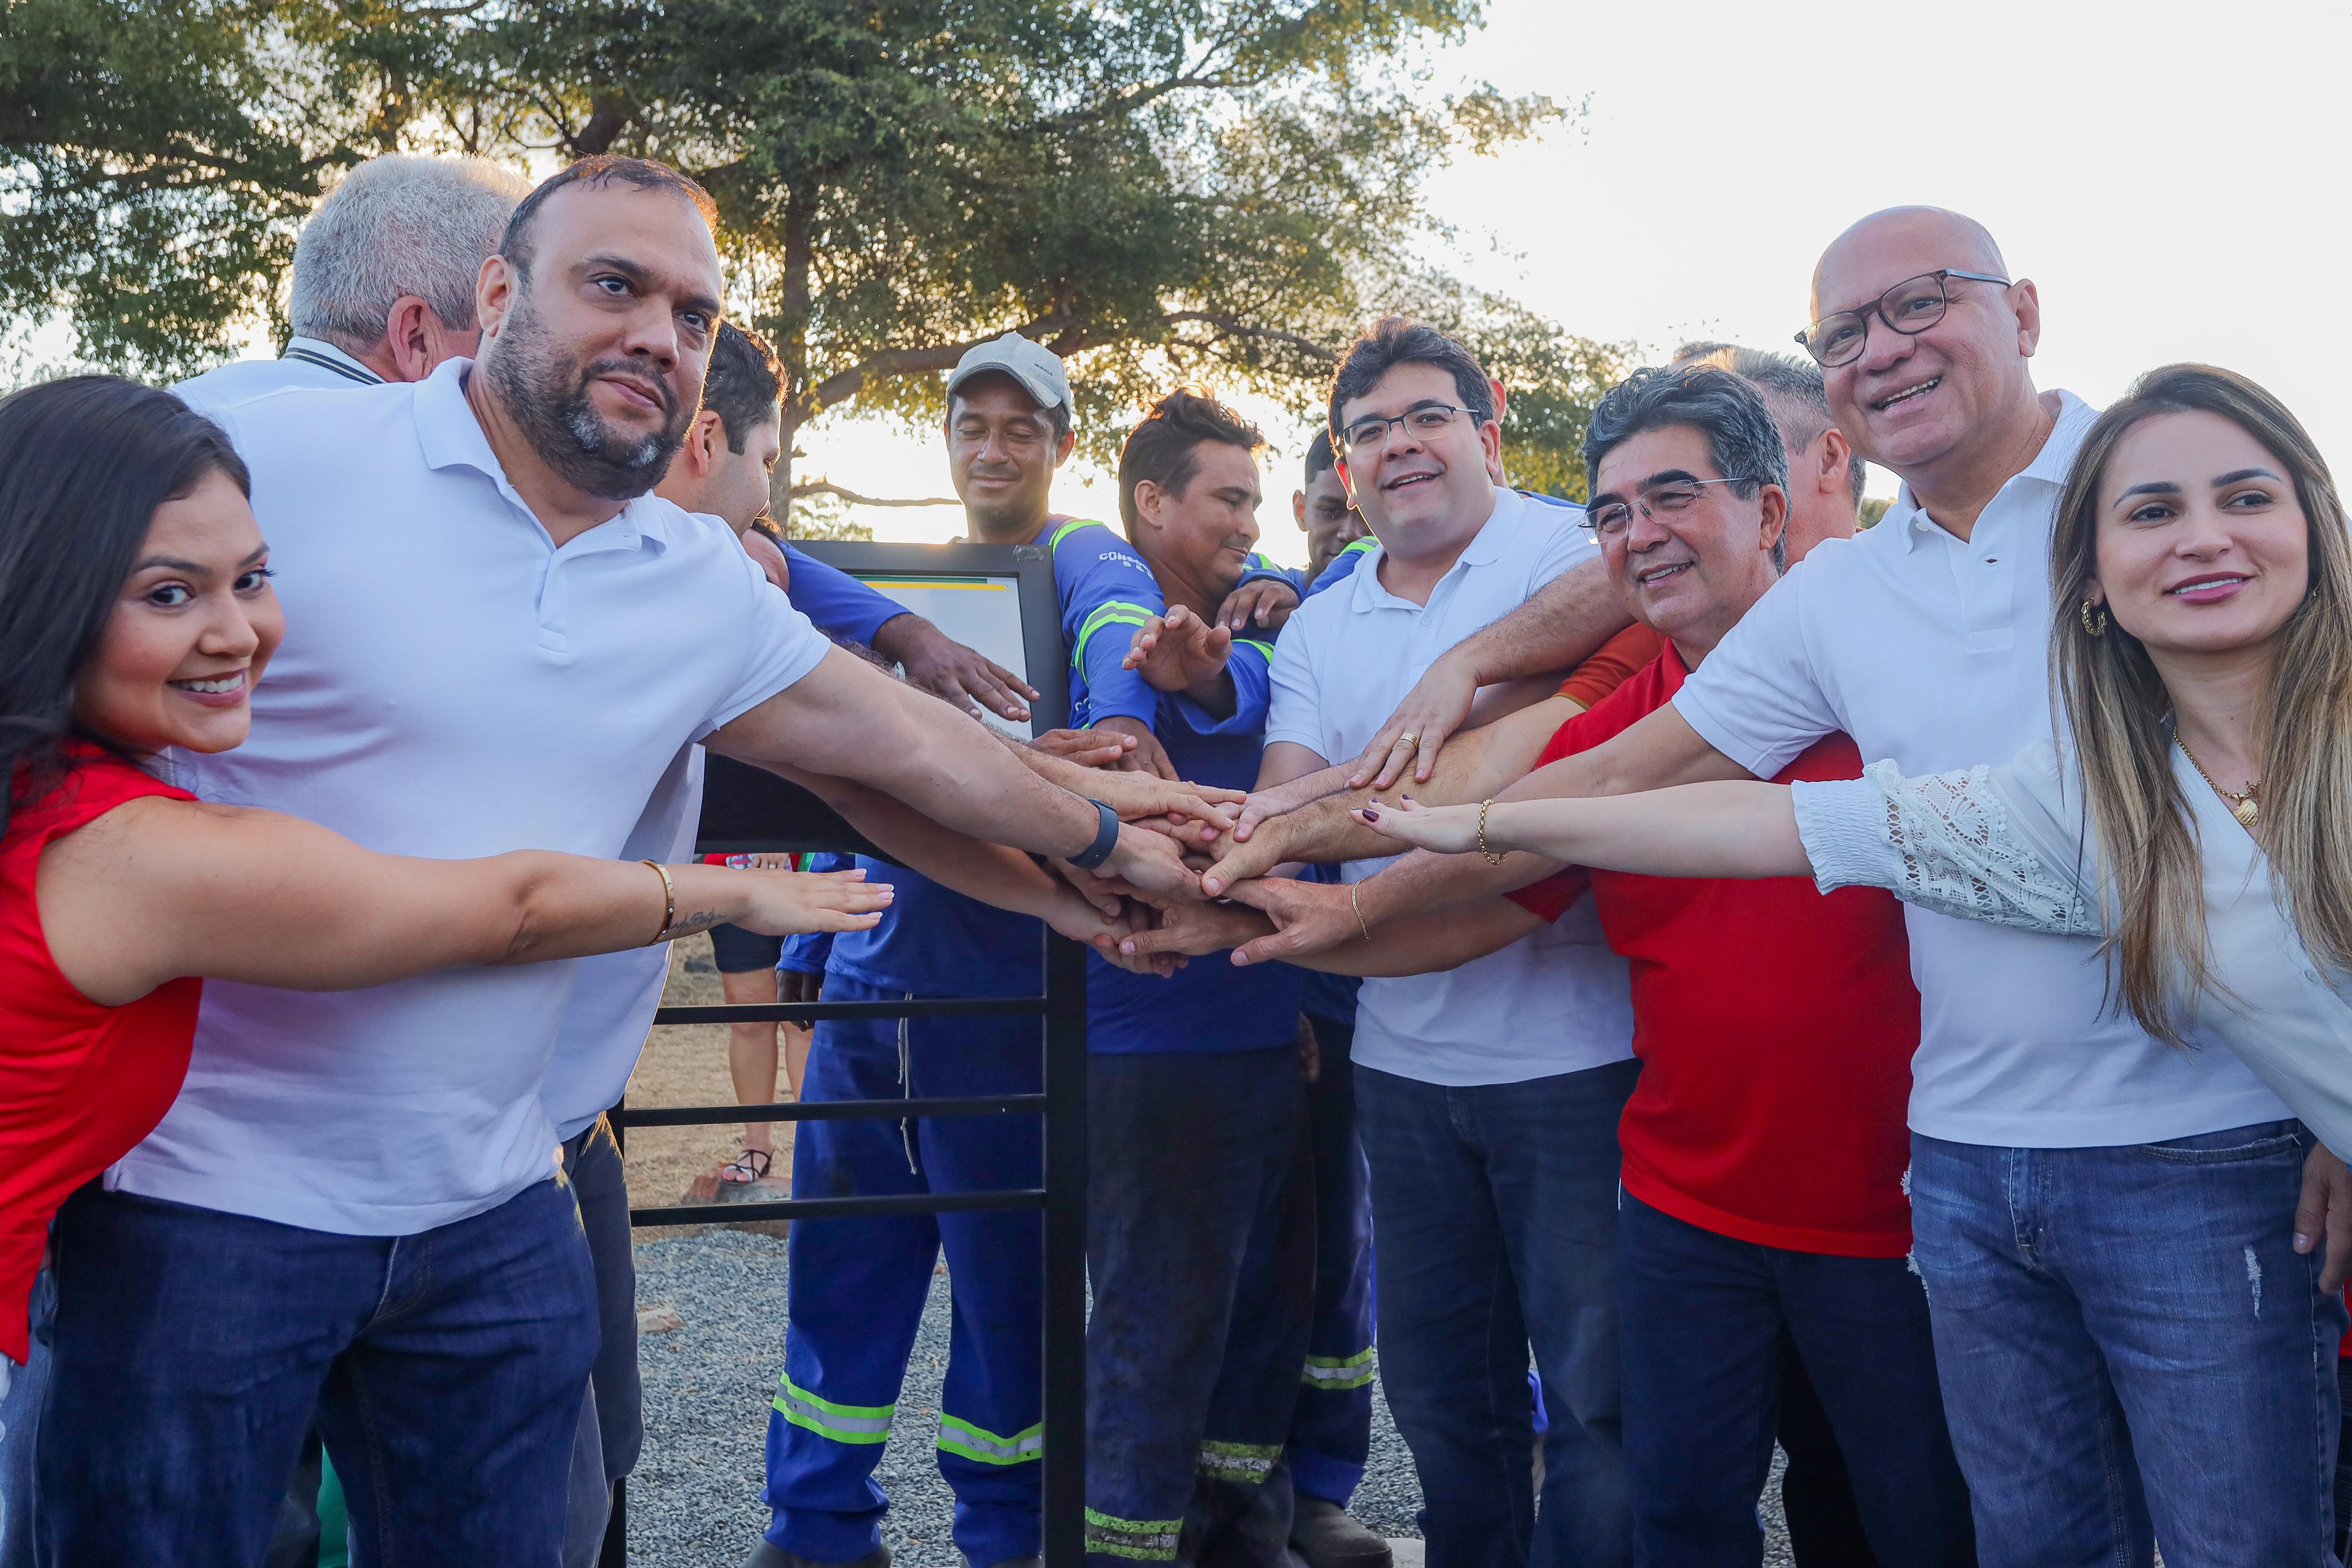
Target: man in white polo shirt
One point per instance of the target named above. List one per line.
(1488, 1096)
(2128, 1342)
(496, 640)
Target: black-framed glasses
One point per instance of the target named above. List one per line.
(1612, 518)
(1426, 422)
(1910, 308)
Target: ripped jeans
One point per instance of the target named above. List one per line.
(2130, 1349)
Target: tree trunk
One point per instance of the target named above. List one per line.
(792, 344)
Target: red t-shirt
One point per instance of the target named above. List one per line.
(1775, 1025)
(79, 1083)
(1613, 663)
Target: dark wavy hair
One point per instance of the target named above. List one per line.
(1165, 448)
(84, 464)
(1742, 440)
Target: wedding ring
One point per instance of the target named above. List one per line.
(1407, 737)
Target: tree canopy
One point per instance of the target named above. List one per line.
(1162, 189)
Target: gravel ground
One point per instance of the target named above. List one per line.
(695, 1499)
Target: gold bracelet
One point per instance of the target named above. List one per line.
(670, 901)
(1354, 902)
(1492, 858)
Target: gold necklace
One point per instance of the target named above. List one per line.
(2244, 804)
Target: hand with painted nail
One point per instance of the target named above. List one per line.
(1448, 830)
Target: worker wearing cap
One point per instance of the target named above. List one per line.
(857, 1287)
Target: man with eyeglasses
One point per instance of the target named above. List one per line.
(2091, 1208)
(1487, 1097)
(1762, 1203)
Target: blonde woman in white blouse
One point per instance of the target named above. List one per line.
(2195, 808)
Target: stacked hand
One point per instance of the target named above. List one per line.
(1266, 604)
(789, 903)
(945, 667)
(1448, 830)
(1430, 713)
(1177, 650)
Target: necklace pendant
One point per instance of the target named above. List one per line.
(2247, 811)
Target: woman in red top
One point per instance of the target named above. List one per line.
(135, 615)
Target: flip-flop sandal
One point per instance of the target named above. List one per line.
(739, 1171)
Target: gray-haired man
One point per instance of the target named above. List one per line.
(384, 278)
(1825, 473)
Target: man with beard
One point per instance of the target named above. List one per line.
(497, 640)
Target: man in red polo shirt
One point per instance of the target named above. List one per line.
(1764, 1148)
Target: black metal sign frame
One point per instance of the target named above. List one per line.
(746, 810)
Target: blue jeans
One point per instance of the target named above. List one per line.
(19, 1407)
(1495, 1207)
(194, 1347)
(2130, 1347)
(1704, 1319)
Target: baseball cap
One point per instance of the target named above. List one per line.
(1037, 368)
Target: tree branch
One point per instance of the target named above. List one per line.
(827, 487)
(1233, 327)
(843, 385)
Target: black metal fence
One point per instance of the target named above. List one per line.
(1061, 1005)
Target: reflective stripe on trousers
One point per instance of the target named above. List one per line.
(957, 1436)
(1145, 1539)
(1339, 1372)
(842, 1423)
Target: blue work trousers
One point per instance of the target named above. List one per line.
(1331, 1431)
(2130, 1348)
(193, 1348)
(1703, 1321)
(856, 1286)
(1495, 1205)
(1201, 1248)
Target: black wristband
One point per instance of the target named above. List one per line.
(1106, 840)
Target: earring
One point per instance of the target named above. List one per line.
(2094, 618)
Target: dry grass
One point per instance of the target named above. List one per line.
(687, 1065)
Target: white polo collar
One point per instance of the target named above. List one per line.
(451, 437)
(327, 357)
(1486, 546)
(2049, 467)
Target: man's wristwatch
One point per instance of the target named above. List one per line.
(1106, 840)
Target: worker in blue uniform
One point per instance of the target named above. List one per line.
(1200, 1213)
(857, 1287)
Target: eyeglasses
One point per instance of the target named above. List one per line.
(1427, 422)
(1609, 519)
(1910, 308)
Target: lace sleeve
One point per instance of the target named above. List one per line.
(1944, 842)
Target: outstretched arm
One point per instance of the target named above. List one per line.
(1660, 750)
(1421, 945)
(157, 889)
(1567, 619)
(1727, 829)
(847, 721)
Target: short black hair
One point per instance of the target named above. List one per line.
(744, 385)
(1396, 340)
(1320, 455)
(603, 169)
(1742, 440)
(1057, 415)
(85, 462)
(1164, 448)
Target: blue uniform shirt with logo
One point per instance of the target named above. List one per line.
(934, 942)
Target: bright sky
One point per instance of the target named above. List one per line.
(2171, 176)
